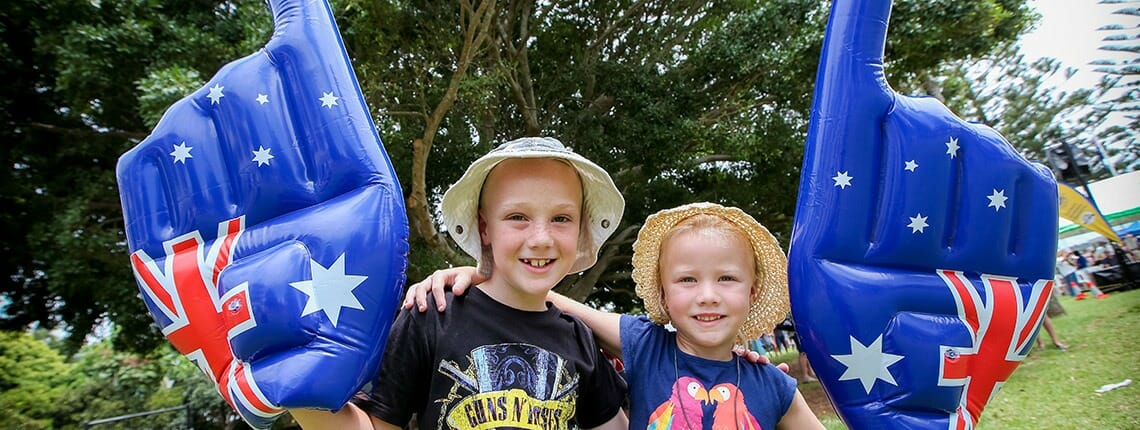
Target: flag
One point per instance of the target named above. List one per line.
(1077, 208)
(921, 251)
(266, 225)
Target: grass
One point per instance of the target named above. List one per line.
(1054, 389)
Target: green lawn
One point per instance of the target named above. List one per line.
(1054, 389)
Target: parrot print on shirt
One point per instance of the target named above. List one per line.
(731, 411)
(683, 409)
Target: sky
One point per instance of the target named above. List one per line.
(1067, 32)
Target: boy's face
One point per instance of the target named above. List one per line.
(708, 279)
(530, 217)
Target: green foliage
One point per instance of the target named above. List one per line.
(33, 380)
(680, 100)
(162, 88)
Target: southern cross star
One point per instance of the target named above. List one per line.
(997, 200)
(216, 95)
(918, 224)
(328, 100)
(842, 180)
(262, 155)
(952, 147)
(181, 153)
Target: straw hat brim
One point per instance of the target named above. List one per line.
(770, 303)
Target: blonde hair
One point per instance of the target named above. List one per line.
(711, 225)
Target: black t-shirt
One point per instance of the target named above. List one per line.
(482, 364)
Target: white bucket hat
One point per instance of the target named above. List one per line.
(602, 201)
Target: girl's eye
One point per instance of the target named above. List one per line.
(687, 279)
(727, 278)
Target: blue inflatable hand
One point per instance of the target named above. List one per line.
(266, 225)
(922, 250)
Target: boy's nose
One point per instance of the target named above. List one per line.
(540, 236)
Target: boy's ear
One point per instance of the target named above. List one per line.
(482, 229)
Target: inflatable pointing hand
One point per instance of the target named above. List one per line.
(922, 249)
(266, 225)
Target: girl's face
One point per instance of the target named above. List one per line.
(708, 279)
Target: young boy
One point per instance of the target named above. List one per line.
(719, 278)
(529, 212)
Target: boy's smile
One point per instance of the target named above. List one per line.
(530, 217)
(707, 279)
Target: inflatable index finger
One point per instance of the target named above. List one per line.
(851, 65)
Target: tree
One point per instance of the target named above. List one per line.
(1019, 99)
(680, 100)
(1118, 98)
(33, 379)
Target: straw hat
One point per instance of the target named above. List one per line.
(602, 202)
(770, 304)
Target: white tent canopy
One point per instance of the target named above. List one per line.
(1116, 194)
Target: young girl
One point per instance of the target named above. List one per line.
(719, 279)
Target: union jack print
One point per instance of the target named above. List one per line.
(185, 294)
(999, 343)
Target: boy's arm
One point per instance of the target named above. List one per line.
(799, 416)
(605, 325)
(349, 417)
(619, 422)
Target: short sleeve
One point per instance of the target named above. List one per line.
(603, 391)
(401, 387)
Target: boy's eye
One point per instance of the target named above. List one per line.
(562, 218)
(516, 217)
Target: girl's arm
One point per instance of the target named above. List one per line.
(349, 417)
(605, 325)
(799, 416)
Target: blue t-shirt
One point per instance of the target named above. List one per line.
(696, 393)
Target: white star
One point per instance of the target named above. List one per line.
(918, 223)
(997, 200)
(262, 155)
(952, 147)
(911, 165)
(842, 180)
(330, 290)
(868, 363)
(328, 100)
(262, 98)
(181, 153)
(216, 94)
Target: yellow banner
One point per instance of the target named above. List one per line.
(1078, 209)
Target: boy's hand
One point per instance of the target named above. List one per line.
(758, 358)
(266, 225)
(921, 248)
(457, 278)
